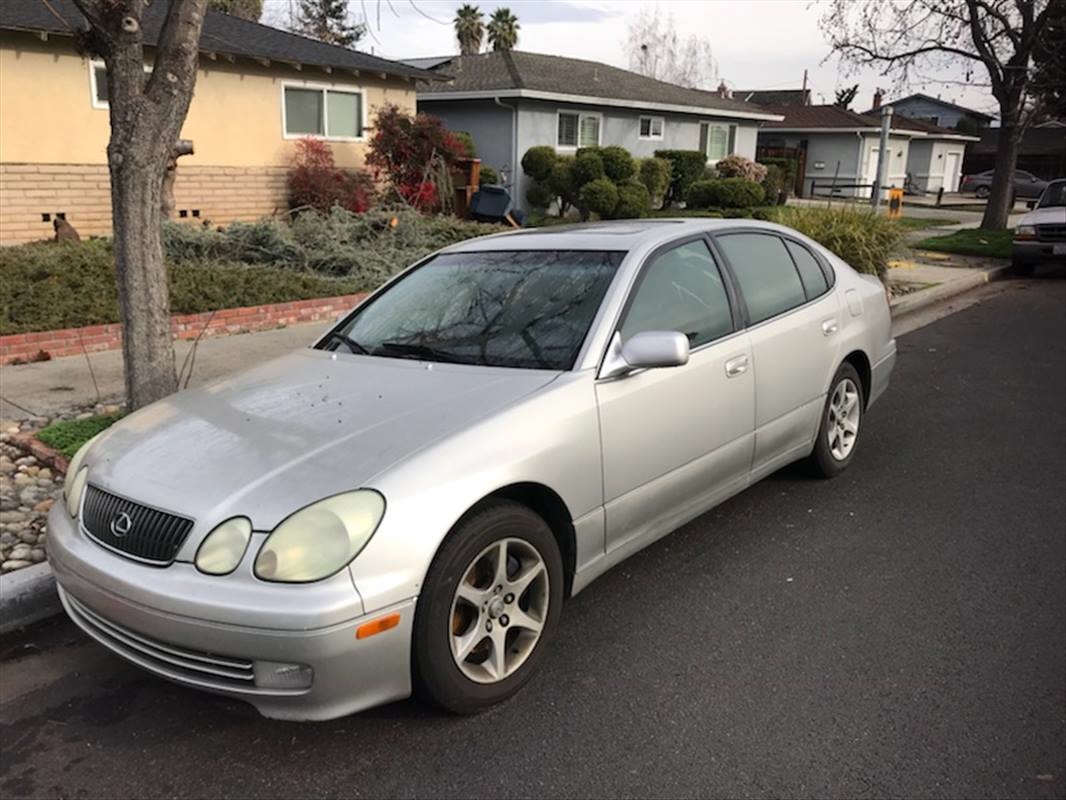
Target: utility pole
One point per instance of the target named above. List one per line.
(804, 86)
(882, 157)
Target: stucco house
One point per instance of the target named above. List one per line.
(258, 90)
(935, 111)
(838, 150)
(512, 101)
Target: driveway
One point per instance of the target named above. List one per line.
(900, 631)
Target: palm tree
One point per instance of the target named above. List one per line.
(503, 29)
(469, 29)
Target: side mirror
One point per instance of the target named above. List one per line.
(647, 350)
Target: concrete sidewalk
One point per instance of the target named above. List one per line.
(49, 387)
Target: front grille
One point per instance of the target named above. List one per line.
(171, 660)
(1051, 233)
(141, 532)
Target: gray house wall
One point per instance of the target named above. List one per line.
(538, 120)
(937, 113)
(486, 122)
(933, 164)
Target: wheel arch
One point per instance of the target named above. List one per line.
(861, 362)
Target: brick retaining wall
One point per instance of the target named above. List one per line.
(22, 347)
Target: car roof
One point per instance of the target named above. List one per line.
(620, 235)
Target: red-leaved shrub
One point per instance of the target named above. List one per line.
(410, 152)
(315, 181)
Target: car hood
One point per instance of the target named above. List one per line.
(268, 441)
(1054, 215)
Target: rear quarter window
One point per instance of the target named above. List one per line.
(811, 274)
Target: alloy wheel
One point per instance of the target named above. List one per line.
(499, 610)
(844, 417)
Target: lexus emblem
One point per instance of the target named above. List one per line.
(121, 525)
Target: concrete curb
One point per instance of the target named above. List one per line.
(927, 297)
(27, 595)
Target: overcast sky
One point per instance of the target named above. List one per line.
(757, 44)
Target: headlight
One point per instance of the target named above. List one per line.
(318, 540)
(1025, 232)
(224, 547)
(74, 484)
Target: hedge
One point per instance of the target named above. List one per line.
(686, 167)
(725, 193)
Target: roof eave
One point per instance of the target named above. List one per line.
(580, 99)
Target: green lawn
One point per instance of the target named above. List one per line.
(67, 437)
(971, 242)
(917, 223)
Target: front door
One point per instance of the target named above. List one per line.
(676, 440)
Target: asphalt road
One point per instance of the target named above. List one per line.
(900, 631)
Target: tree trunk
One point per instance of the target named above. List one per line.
(144, 302)
(1001, 199)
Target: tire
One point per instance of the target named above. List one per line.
(483, 615)
(1022, 268)
(982, 192)
(835, 447)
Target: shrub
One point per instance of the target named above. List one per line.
(538, 161)
(599, 196)
(415, 155)
(617, 163)
(737, 166)
(788, 166)
(67, 436)
(633, 201)
(686, 167)
(771, 185)
(564, 183)
(539, 195)
(862, 238)
(725, 193)
(316, 182)
(702, 194)
(655, 175)
(489, 176)
(469, 149)
(588, 166)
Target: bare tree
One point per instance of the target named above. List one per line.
(657, 50)
(904, 38)
(147, 113)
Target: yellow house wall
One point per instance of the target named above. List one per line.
(53, 142)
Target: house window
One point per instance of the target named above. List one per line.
(98, 83)
(578, 130)
(320, 111)
(651, 128)
(716, 140)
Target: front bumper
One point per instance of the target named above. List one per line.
(125, 606)
(1033, 251)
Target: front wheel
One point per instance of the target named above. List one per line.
(488, 610)
(982, 192)
(838, 435)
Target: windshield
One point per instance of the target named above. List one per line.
(1054, 195)
(529, 309)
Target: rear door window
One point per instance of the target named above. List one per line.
(814, 282)
(768, 278)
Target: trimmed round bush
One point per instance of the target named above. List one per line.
(736, 166)
(489, 176)
(599, 196)
(702, 194)
(618, 163)
(538, 161)
(739, 193)
(588, 166)
(686, 167)
(633, 201)
(655, 175)
(539, 194)
(562, 181)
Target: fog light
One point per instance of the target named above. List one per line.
(273, 675)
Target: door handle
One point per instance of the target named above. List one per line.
(829, 327)
(736, 366)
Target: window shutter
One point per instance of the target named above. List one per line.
(704, 137)
(732, 148)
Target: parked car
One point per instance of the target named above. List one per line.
(1040, 237)
(1026, 184)
(408, 502)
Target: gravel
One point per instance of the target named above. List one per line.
(28, 488)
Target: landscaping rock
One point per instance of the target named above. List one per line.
(27, 492)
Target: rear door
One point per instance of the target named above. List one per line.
(793, 319)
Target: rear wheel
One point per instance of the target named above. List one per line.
(488, 610)
(982, 192)
(838, 435)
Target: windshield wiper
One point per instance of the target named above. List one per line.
(422, 352)
(348, 342)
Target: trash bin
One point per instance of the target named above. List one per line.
(895, 203)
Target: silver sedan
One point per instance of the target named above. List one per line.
(406, 504)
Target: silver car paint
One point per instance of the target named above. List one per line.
(632, 458)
